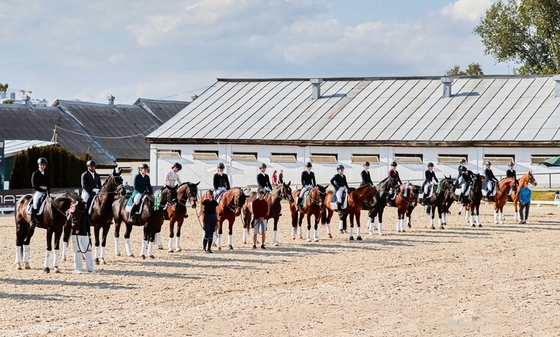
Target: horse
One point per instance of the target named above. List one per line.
(355, 203)
(273, 198)
(471, 201)
(176, 212)
(439, 200)
(228, 208)
(314, 205)
(149, 220)
(379, 201)
(524, 181)
(404, 197)
(58, 209)
(500, 199)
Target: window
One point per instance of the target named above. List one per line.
(283, 157)
(499, 159)
(205, 155)
(537, 159)
(244, 156)
(362, 158)
(451, 158)
(324, 158)
(407, 158)
(169, 154)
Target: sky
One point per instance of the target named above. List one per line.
(88, 50)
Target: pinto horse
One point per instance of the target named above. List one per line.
(313, 206)
(471, 201)
(149, 219)
(524, 181)
(500, 199)
(228, 208)
(273, 198)
(439, 200)
(405, 195)
(176, 212)
(58, 209)
(379, 201)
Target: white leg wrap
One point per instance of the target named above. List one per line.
(128, 247)
(170, 245)
(472, 220)
(308, 235)
(96, 252)
(369, 225)
(150, 248)
(26, 253)
(351, 231)
(244, 235)
(359, 231)
(380, 228)
(158, 239)
(431, 222)
(177, 243)
(495, 217)
(102, 253)
(299, 231)
(275, 237)
(47, 257)
(293, 233)
(56, 258)
(77, 254)
(18, 254)
(328, 228)
(501, 217)
(478, 219)
(220, 240)
(439, 221)
(230, 240)
(316, 235)
(143, 249)
(340, 224)
(117, 249)
(64, 247)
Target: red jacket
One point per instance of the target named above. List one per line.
(260, 208)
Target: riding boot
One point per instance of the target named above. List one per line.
(339, 206)
(131, 216)
(298, 203)
(33, 222)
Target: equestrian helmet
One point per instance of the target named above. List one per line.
(221, 166)
(178, 165)
(308, 164)
(144, 166)
(511, 163)
(463, 160)
(42, 160)
(488, 163)
(90, 163)
(394, 163)
(340, 167)
(263, 165)
(463, 168)
(430, 164)
(366, 163)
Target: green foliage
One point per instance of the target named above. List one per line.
(64, 169)
(474, 69)
(3, 87)
(526, 32)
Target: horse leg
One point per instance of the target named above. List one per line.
(151, 238)
(66, 229)
(230, 235)
(379, 220)
(127, 245)
(358, 229)
(219, 235)
(478, 216)
(19, 244)
(316, 238)
(351, 229)
(171, 234)
(178, 236)
(48, 251)
(501, 213)
(116, 235)
(103, 243)
(56, 257)
(441, 217)
(308, 217)
(144, 243)
(433, 214)
(275, 232)
(96, 229)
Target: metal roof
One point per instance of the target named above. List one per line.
(162, 109)
(412, 111)
(13, 147)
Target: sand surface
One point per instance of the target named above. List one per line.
(498, 280)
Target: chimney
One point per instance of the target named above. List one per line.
(556, 85)
(447, 81)
(316, 88)
(111, 99)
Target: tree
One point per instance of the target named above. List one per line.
(474, 69)
(526, 32)
(3, 87)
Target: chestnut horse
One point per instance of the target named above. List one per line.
(313, 206)
(524, 181)
(228, 208)
(273, 198)
(58, 209)
(355, 203)
(500, 199)
(176, 212)
(379, 201)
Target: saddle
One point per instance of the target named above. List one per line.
(41, 205)
(490, 190)
(344, 202)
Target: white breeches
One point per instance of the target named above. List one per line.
(38, 195)
(304, 189)
(339, 193)
(137, 198)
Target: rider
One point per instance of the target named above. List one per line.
(307, 182)
(221, 182)
(462, 164)
(141, 185)
(40, 183)
(340, 185)
(488, 177)
(393, 173)
(510, 173)
(465, 180)
(171, 178)
(91, 183)
(430, 175)
(263, 180)
(366, 177)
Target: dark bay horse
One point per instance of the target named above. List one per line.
(176, 212)
(404, 197)
(524, 181)
(314, 205)
(149, 220)
(442, 193)
(379, 201)
(58, 210)
(500, 199)
(471, 201)
(273, 198)
(229, 207)
(356, 198)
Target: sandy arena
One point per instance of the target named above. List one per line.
(498, 280)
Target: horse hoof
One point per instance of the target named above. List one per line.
(219, 248)
(403, 230)
(96, 261)
(359, 238)
(131, 255)
(245, 242)
(56, 270)
(160, 247)
(64, 259)
(459, 213)
(276, 244)
(143, 257)
(330, 236)
(380, 233)
(441, 227)
(152, 257)
(496, 222)
(351, 238)
(103, 261)
(230, 247)
(301, 237)
(473, 225)
(293, 237)
(27, 266)
(308, 240)
(118, 254)
(18, 266)
(341, 231)
(178, 250)
(46, 270)
(409, 226)
(479, 225)
(433, 227)
(170, 251)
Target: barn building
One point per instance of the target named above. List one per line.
(287, 122)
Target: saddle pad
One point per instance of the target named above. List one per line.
(41, 206)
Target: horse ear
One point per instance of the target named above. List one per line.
(289, 182)
(197, 183)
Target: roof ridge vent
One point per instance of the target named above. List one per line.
(316, 88)
(556, 79)
(447, 82)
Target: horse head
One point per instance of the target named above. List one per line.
(286, 191)
(168, 195)
(239, 201)
(317, 196)
(387, 184)
(188, 192)
(113, 182)
(530, 179)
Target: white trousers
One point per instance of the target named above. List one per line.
(304, 189)
(339, 194)
(38, 195)
(81, 245)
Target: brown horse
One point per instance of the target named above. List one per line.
(524, 181)
(58, 209)
(314, 205)
(500, 199)
(273, 198)
(379, 201)
(176, 212)
(228, 208)
(404, 196)
(355, 204)
(149, 219)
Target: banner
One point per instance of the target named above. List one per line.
(2, 142)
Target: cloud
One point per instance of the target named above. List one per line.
(466, 10)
